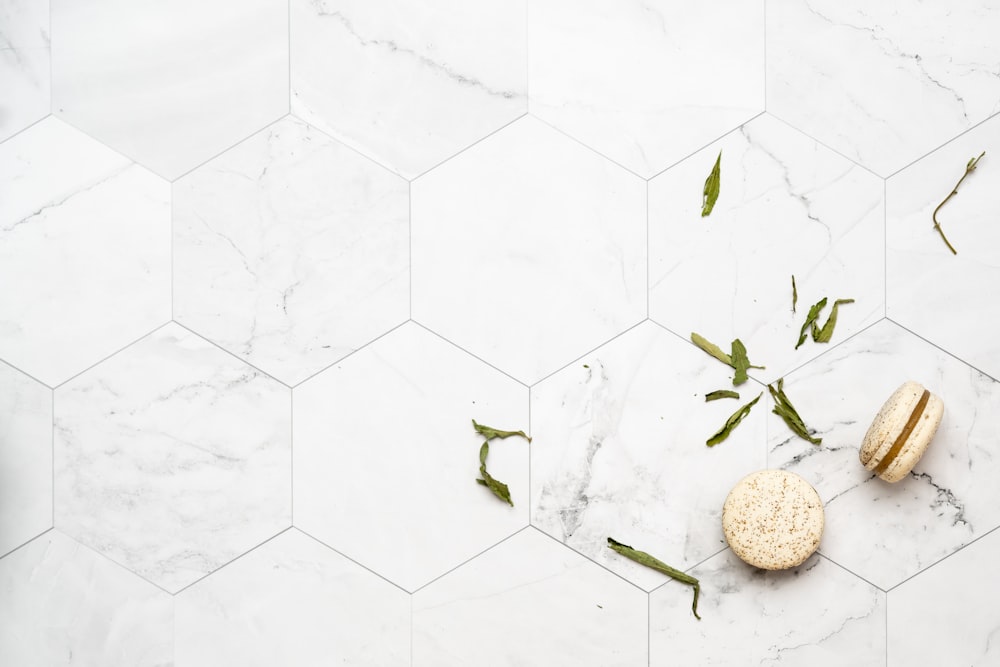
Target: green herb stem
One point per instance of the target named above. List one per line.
(489, 432)
(644, 558)
(969, 168)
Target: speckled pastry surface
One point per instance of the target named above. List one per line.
(901, 432)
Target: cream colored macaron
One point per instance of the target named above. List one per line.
(901, 432)
(773, 519)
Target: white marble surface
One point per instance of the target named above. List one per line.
(944, 297)
(815, 614)
(25, 458)
(84, 251)
(529, 601)
(948, 615)
(64, 604)
(619, 451)
(172, 457)
(645, 83)
(24, 64)
(170, 84)
(291, 250)
(883, 83)
(409, 84)
(528, 250)
(293, 601)
(386, 457)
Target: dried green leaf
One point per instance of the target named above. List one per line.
(784, 409)
(720, 393)
(711, 191)
(826, 333)
(489, 432)
(810, 320)
(498, 488)
(740, 361)
(795, 294)
(712, 349)
(732, 422)
(644, 558)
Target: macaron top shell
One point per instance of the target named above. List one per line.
(773, 519)
(901, 431)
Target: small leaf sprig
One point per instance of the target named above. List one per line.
(732, 422)
(784, 409)
(710, 193)
(969, 168)
(499, 489)
(737, 359)
(825, 333)
(720, 393)
(644, 558)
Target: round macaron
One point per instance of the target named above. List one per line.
(773, 519)
(901, 432)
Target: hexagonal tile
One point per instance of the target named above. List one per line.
(888, 532)
(25, 458)
(926, 285)
(293, 601)
(948, 615)
(528, 250)
(172, 457)
(170, 84)
(918, 74)
(386, 457)
(408, 84)
(291, 250)
(64, 604)
(85, 237)
(24, 64)
(787, 206)
(529, 601)
(619, 451)
(815, 614)
(646, 83)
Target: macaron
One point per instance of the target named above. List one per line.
(901, 432)
(773, 519)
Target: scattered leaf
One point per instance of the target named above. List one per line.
(784, 409)
(498, 488)
(795, 294)
(644, 558)
(712, 349)
(711, 191)
(740, 362)
(489, 432)
(823, 335)
(721, 393)
(970, 166)
(810, 320)
(732, 422)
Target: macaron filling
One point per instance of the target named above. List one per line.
(911, 424)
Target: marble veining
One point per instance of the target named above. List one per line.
(172, 457)
(291, 250)
(24, 64)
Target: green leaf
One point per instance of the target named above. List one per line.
(498, 488)
(740, 362)
(826, 333)
(810, 320)
(644, 558)
(711, 191)
(712, 349)
(732, 422)
(795, 294)
(784, 409)
(489, 432)
(721, 393)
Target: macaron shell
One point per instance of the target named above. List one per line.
(889, 423)
(917, 443)
(773, 519)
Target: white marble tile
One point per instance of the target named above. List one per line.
(948, 615)
(787, 206)
(645, 82)
(408, 84)
(170, 84)
(291, 250)
(888, 532)
(943, 297)
(63, 604)
(882, 83)
(619, 451)
(386, 457)
(529, 601)
(816, 614)
(172, 457)
(84, 251)
(292, 601)
(528, 250)
(25, 458)
(24, 64)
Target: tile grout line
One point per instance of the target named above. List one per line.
(591, 560)
(885, 248)
(701, 148)
(409, 242)
(471, 354)
(109, 356)
(291, 456)
(475, 143)
(345, 556)
(228, 353)
(810, 137)
(942, 350)
(939, 147)
(941, 560)
(647, 249)
(26, 374)
(469, 560)
(348, 355)
(231, 560)
(26, 542)
(26, 128)
(52, 437)
(590, 351)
